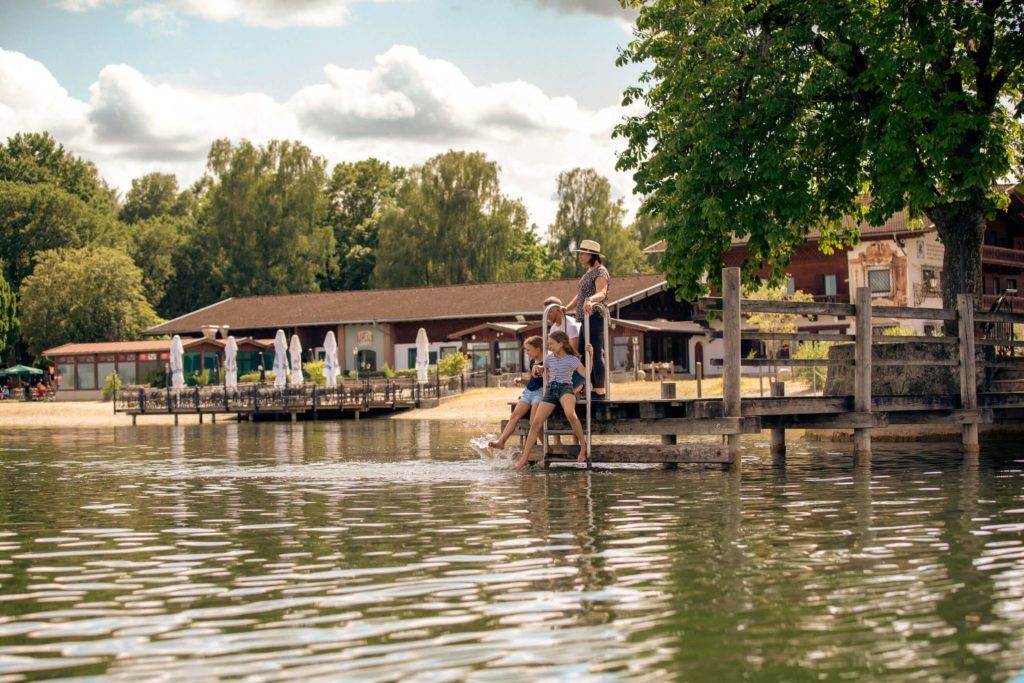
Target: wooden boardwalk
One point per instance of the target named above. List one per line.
(732, 416)
(265, 401)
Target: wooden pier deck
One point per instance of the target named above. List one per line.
(983, 336)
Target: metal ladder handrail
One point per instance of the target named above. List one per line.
(605, 315)
(544, 378)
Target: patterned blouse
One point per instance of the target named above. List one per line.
(587, 287)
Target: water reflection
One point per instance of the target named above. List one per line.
(384, 550)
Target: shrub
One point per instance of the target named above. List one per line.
(452, 364)
(812, 351)
(254, 377)
(202, 378)
(406, 373)
(154, 377)
(388, 372)
(315, 371)
(111, 385)
(897, 331)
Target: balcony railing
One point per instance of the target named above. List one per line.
(1002, 256)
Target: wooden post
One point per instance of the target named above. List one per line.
(700, 377)
(731, 360)
(778, 436)
(133, 419)
(668, 390)
(213, 418)
(862, 374)
(968, 370)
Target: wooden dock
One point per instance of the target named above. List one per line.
(294, 402)
(732, 416)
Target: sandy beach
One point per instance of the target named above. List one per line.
(476, 406)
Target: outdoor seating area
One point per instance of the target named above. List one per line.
(24, 383)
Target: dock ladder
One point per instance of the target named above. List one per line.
(587, 387)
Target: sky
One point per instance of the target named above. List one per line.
(138, 86)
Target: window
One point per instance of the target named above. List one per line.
(480, 355)
(1011, 283)
(995, 286)
(509, 356)
(831, 285)
(880, 281)
(86, 376)
(412, 358)
(622, 354)
(104, 370)
(66, 372)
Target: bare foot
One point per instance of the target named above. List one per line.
(519, 464)
(496, 444)
(582, 457)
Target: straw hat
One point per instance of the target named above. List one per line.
(590, 247)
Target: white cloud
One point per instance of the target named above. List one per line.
(602, 8)
(404, 109)
(265, 13)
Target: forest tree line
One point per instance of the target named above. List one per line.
(80, 263)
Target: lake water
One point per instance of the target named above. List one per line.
(385, 550)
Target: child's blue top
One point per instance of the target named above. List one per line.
(535, 383)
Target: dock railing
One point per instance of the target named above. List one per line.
(975, 330)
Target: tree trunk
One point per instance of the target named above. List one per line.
(961, 227)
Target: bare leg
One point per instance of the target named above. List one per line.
(521, 409)
(569, 406)
(544, 411)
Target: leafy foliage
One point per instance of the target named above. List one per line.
(263, 218)
(450, 225)
(586, 211)
(37, 159)
(814, 350)
(83, 295)
(8, 310)
(451, 365)
(154, 195)
(764, 121)
(111, 385)
(314, 371)
(357, 193)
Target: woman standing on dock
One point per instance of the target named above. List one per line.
(592, 289)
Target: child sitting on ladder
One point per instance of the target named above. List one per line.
(560, 365)
(531, 396)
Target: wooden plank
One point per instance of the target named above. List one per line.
(721, 426)
(780, 362)
(836, 421)
(901, 312)
(646, 453)
(731, 372)
(917, 339)
(760, 407)
(788, 307)
(968, 373)
(914, 362)
(787, 336)
(777, 437)
(999, 342)
(987, 317)
(1003, 365)
(862, 372)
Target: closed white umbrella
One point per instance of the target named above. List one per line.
(295, 351)
(331, 368)
(177, 363)
(280, 359)
(231, 363)
(422, 356)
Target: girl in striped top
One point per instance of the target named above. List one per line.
(560, 365)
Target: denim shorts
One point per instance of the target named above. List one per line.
(556, 390)
(578, 380)
(532, 396)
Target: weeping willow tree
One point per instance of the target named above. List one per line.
(449, 224)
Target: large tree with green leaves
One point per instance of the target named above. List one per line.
(83, 295)
(263, 218)
(36, 158)
(8, 310)
(765, 120)
(357, 192)
(154, 195)
(586, 211)
(450, 224)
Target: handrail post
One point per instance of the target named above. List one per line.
(862, 375)
(968, 370)
(731, 361)
(700, 378)
(544, 378)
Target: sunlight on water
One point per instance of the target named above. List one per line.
(385, 551)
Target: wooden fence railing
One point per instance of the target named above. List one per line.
(975, 330)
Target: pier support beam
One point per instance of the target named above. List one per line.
(668, 390)
(175, 419)
(968, 371)
(294, 417)
(778, 435)
(862, 374)
(731, 362)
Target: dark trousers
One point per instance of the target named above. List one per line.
(597, 341)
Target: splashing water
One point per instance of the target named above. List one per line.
(498, 458)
